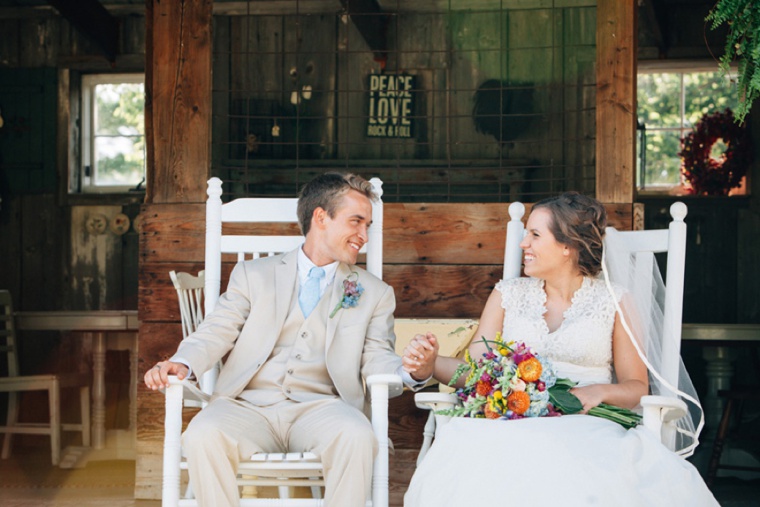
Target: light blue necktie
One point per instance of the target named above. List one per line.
(309, 296)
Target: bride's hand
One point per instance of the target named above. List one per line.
(419, 356)
(590, 396)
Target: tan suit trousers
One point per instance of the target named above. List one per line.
(229, 430)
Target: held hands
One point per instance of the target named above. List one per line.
(420, 355)
(158, 376)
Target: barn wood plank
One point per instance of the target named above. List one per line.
(443, 233)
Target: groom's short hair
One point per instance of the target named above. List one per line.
(325, 191)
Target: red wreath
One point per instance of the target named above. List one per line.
(706, 175)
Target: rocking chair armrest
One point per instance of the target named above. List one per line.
(435, 401)
(186, 390)
(391, 383)
(665, 408)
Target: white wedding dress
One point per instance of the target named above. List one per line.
(568, 460)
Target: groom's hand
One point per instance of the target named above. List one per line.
(158, 376)
(420, 355)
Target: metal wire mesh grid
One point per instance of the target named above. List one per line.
(501, 104)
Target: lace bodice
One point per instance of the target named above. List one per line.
(584, 338)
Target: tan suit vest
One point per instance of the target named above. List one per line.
(297, 368)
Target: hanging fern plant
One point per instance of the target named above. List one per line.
(742, 44)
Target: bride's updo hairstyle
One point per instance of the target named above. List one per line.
(578, 222)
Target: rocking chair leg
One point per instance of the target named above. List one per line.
(11, 421)
(55, 423)
(720, 438)
(84, 399)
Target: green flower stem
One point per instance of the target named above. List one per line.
(622, 416)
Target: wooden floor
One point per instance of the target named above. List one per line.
(28, 480)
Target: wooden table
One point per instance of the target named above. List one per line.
(109, 331)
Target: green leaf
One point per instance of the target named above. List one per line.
(562, 399)
(742, 44)
(564, 383)
(461, 370)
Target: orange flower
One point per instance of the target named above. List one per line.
(530, 369)
(518, 402)
(491, 413)
(483, 388)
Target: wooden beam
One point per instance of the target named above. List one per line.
(150, 166)
(178, 100)
(615, 100)
(289, 7)
(94, 21)
(653, 13)
(372, 24)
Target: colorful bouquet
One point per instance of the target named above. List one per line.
(511, 381)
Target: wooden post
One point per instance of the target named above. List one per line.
(178, 140)
(178, 89)
(615, 100)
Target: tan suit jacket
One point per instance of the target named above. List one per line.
(248, 318)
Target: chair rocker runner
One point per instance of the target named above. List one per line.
(660, 413)
(268, 469)
(15, 383)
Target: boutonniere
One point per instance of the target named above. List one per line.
(352, 290)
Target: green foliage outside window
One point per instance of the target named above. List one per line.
(119, 133)
(742, 44)
(669, 105)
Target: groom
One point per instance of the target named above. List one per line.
(293, 377)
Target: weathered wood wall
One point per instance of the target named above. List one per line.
(48, 40)
(49, 261)
(442, 260)
(546, 50)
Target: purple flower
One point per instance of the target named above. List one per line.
(352, 291)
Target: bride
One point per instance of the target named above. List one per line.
(569, 314)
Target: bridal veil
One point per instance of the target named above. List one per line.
(642, 311)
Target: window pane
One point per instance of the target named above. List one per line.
(659, 97)
(707, 92)
(119, 160)
(663, 165)
(119, 109)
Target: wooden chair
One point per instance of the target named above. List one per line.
(281, 470)
(15, 383)
(190, 295)
(190, 298)
(660, 413)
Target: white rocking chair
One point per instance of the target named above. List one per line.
(269, 469)
(660, 413)
(190, 295)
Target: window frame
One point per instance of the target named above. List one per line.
(88, 183)
(671, 67)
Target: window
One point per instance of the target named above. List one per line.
(670, 103)
(113, 132)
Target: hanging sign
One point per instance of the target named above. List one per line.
(391, 105)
